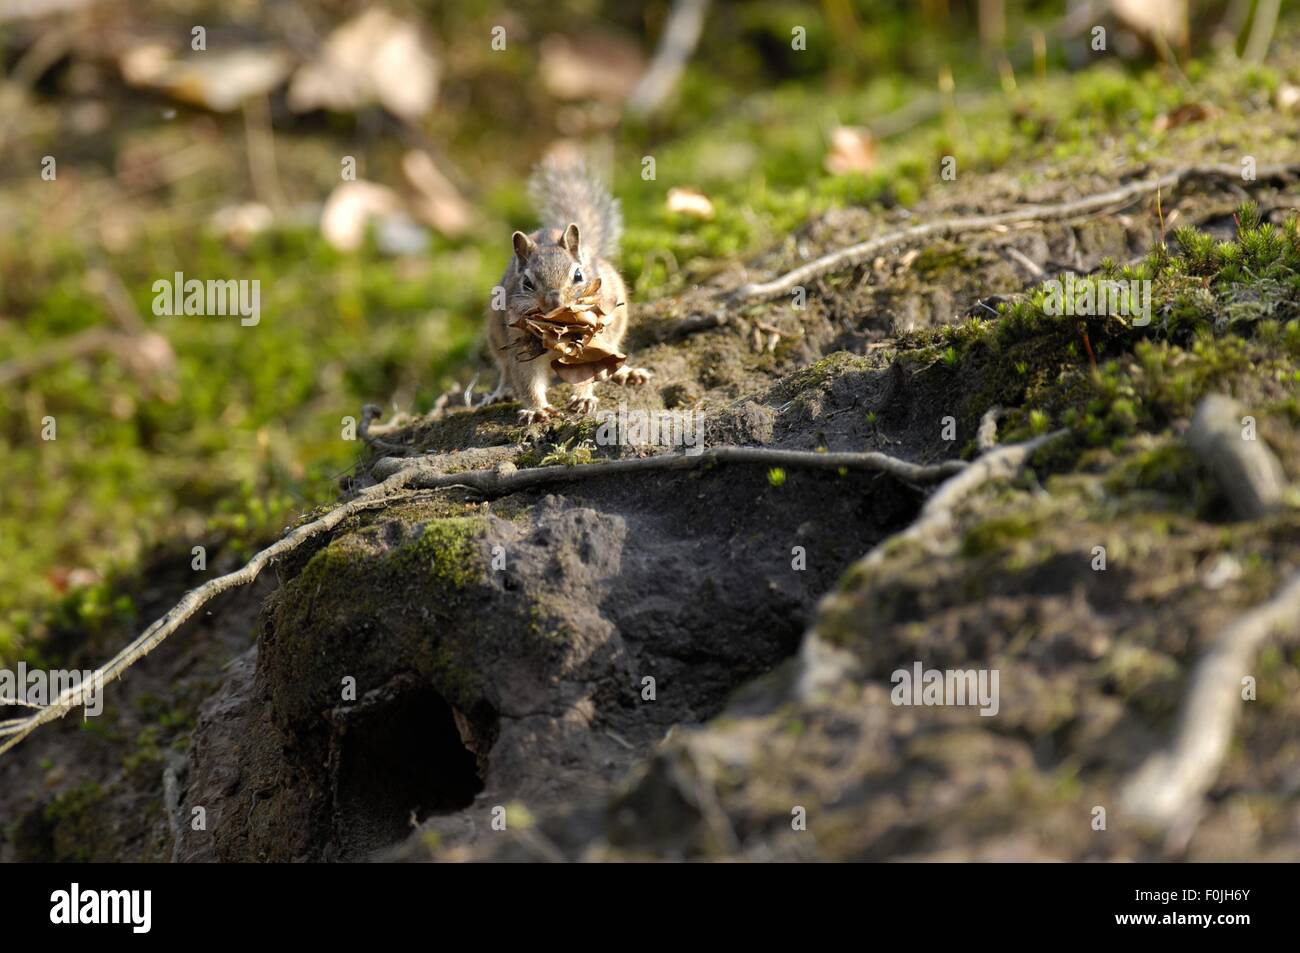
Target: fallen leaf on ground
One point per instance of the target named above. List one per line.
(1185, 115)
(597, 65)
(1167, 18)
(349, 209)
(436, 201)
(690, 202)
(218, 81)
(238, 224)
(375, 57)
(853, 149)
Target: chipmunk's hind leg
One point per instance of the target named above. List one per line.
(501, 393)
(530, 380)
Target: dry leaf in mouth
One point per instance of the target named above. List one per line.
(573, 333)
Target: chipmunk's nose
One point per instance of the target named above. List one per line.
(552, 299)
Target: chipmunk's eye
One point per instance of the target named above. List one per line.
(527, 283)
(577, 276)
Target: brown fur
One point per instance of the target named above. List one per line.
(547, 259)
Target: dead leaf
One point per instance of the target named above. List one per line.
(1151, 18)
(595, 65)
(239, 224)
(853, 149)
(575, 333)
(349, 209)
(435, 200)
(690, 202)
(375, 57)
(214, 80)
(1185, 115)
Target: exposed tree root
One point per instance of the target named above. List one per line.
(1246, 470)
(395, 487)
(508, 479)
(676, 47)
(1169, 786)
(822, 665)
(412, 477)
(986, 438)
(933, 527)
(1088, 205)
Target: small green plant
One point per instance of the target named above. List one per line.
(570, 454)
(776, 477)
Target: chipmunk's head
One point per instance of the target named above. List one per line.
(552, 272)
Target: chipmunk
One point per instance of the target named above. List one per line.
(581, 227)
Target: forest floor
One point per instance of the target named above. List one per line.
(499, 646)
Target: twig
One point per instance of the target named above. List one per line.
(1117, 197)
(508, 479)
(260, 137)
(1246, 470)
(676, 47)
(394, 488)
(1261, 31)
(11, 10)
(822, 665)
(410, 478)
(986, 438)
(1170, 784)
(934, 524)
(369, 414)
(82, 344)
(1025, 262)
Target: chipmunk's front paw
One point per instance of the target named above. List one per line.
(583, 403)
(633, 376)
(536, 415)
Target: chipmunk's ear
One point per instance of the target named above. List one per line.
(571, 239)
(524, 246)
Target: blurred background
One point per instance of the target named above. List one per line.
(366, 162)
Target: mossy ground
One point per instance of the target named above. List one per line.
(246, 431)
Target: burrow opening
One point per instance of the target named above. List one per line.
(400, 760)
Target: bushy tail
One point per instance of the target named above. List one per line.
(563, 191)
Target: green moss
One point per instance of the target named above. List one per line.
(994, 536)
(144, 765)
(1147, 679)
(817, 375)
(939, 260)
(72, 828)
